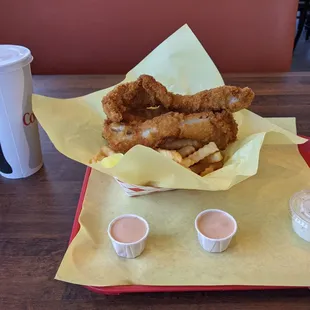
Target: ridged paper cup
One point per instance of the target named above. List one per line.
(131, 249)
(214, 245)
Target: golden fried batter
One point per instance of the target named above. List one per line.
(218, 127)
(133, 100)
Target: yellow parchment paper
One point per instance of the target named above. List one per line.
(183, 66)
(265, 250)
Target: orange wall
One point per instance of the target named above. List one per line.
(108, 36)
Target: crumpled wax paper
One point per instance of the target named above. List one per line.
(183, 66)
(265, 250)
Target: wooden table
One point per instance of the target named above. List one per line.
(36, 214)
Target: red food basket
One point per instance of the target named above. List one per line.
(304, 150)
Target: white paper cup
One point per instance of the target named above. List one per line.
(132, 249)
(20, 149)
(214, 245)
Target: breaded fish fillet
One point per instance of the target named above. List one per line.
(148, 95)
(205, 127)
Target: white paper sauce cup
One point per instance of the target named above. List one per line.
(131, 249)
(300, 212)
(215, 245)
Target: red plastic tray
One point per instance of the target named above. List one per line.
(304, 150)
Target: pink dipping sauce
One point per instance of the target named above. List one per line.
(215, 225)
(128, 229)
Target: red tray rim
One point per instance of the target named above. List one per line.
(304, 150)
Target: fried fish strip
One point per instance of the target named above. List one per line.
(218, 127)
(123, 102)
(175, 144)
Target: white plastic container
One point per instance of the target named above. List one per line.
(132, 249)
(215, 245)
(300, 212)
(20, 149)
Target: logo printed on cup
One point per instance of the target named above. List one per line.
(29, 118)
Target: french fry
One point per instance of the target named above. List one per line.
(207, 162)
(180, 143)
(212, 167)
(217, 165)
(215, 158)
(202, 162)
(105, 151)
(172, 154)
(203, 152)
(207, 171)
(186, 150)
(200, 166)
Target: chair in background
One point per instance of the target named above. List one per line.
(304, 20)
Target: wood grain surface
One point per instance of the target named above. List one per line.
(36, 214)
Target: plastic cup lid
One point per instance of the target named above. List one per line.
(14, 57)
(300, 205)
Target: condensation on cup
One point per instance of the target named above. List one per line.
(20, 149)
